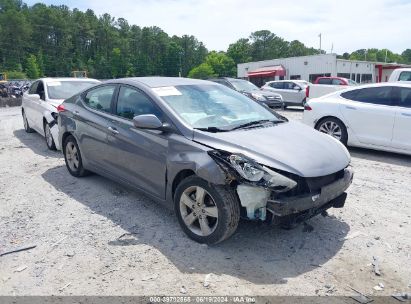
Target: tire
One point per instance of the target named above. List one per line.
(48, 137)
(222, 215)
(333, 127)
(72, 157)
(26, 123)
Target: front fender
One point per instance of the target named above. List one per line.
(194, 157)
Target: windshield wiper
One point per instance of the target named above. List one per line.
(254, 123)
(212, 129)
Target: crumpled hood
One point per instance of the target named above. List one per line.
(289, 146)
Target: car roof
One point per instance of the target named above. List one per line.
(382, 84)
(157, 81)
(51, 79)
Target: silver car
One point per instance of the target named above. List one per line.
(293, 92)
(210, 152)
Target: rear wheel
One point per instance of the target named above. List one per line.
(49, 138)
(333, 127)
(207, 214)
(26, 123)
(73, 158)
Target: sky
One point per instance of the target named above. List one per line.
(345, 25)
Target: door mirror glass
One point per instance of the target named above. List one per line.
(147, 121)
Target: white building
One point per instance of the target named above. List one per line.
(311, 67)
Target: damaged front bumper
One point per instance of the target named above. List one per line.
(257, 200)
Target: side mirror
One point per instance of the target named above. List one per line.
(297, 88)
(147, 121)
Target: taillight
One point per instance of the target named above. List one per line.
(60, 108)
(307, 108)
(307, 91)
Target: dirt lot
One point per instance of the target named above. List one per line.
(96, 237)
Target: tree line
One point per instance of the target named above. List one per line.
(41, 40)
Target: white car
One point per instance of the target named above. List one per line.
(376, 116)
(40, 102)
(403, 74)
(293, 92)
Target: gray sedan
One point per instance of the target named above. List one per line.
(206, 150)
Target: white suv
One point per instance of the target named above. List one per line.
(293, 92)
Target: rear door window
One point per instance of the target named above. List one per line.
(324, 81)
(277, 85)
(337, 82)
(100, 98)
(377, 95)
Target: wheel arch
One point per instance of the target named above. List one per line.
(329, 116)
(179, 177)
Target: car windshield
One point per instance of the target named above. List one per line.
(65, 89)
(213, 106)
(243, 85)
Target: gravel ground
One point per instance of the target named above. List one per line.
(95, 237)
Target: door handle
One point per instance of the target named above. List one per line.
(113, 130)
(76, 112)
(406, 114)
(351, 108)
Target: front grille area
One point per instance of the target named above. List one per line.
(316, 183)
(308, 184)
(273, 98)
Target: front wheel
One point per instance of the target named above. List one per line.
(49, 137)
(26, 123)
(73, 158)
(207, 214)
(333, 127)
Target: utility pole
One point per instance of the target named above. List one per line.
(320, 41)
(386, 54)
(332, 47)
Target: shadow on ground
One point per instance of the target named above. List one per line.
(36, 143)
(381, 156)
(257, 253)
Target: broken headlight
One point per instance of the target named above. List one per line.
(246, 168)
(277, 181)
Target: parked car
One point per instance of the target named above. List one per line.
(40, 102)
(326, 85)
(403, 74)
(251, 90)
(209, 151)
(374, 116)
(293, 92)
(335, 81)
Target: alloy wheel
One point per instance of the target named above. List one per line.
(199, 211)
(331, 128)
(49, 137)
(72, 156)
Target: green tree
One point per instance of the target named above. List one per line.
(32, 68)
(203, 71)
(406, 55)
(16, 75)
(240, 51)
(221, 64)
